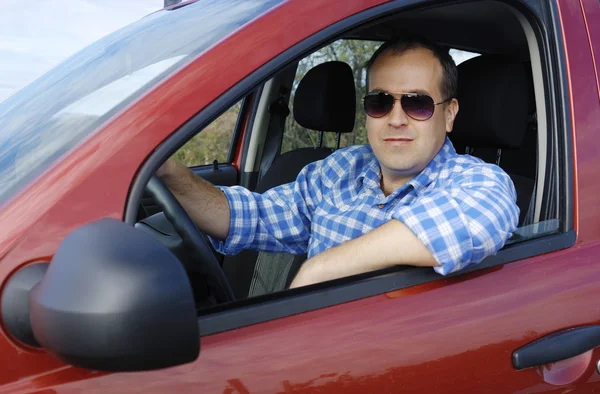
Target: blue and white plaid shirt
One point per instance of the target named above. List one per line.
(461, 208)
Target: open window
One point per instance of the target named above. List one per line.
(496, 46)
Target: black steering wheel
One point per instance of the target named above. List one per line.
(191, 237)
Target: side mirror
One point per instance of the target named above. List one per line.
(112, 299)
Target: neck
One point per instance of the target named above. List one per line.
(390, 182)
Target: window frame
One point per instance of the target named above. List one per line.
(290, 302)
(238, 129)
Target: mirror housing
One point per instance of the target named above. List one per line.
(114, 299)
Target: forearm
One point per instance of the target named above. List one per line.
(206, 204)
(389, 245)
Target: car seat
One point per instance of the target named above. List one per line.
(496, 121)
(325, 101)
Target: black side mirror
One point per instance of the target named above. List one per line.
(112, 299)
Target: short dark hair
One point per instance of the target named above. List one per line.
(398, 45)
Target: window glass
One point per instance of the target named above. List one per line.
(212, 143)
(47, 118)
(460, 56)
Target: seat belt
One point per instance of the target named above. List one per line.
(279, 112)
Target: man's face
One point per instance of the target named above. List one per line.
(402, 145)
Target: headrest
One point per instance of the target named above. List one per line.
(493, 97)
(325, 99)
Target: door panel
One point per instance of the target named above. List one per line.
(454, 335)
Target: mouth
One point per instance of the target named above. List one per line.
(397, 140)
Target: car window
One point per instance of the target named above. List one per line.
(212, 143)
(355, 53)
(460, 56)
(272, 274)
(47, 118)
(523, 164)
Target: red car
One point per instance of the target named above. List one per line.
(107, 286)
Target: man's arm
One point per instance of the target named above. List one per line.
(277, 220)
(448, 228)
(375, 250)
(206, 204)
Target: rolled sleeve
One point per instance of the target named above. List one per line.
(465, 222)
(275, 221)
(241, 212)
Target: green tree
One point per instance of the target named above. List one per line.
(212, 143)
(355, 53)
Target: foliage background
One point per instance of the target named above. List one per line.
(213, 142)
(355, 53)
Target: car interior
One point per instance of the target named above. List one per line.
(504, 119)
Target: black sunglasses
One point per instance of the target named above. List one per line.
(416, 106)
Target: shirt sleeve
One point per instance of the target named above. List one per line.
(467, 221)
(277, 220)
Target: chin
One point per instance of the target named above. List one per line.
(403, 169)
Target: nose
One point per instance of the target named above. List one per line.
(397, 117)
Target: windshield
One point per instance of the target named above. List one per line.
(54, 113)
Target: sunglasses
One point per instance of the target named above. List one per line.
(416, 106)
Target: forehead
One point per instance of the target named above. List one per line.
(412, 70)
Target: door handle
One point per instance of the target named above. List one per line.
(557, 346)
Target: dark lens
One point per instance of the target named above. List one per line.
(378, 104)
(418, 106)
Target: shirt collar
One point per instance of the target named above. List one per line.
(432, 170)
(370, 176)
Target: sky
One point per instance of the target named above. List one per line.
(36, 35)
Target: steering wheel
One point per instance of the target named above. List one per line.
(191, 237)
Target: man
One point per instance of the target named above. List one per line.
(406, 198)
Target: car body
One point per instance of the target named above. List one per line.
(404, 331)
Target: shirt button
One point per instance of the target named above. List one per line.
(380, 206)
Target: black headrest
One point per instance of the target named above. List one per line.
(493, 97)
(325, 99)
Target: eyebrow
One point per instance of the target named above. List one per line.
(417, 91)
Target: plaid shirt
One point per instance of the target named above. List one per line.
(461, 208)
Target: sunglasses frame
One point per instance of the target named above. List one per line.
(402, 95)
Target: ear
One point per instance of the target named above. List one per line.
(450, 113)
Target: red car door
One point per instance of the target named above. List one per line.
(456, 334)
(592, 20)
